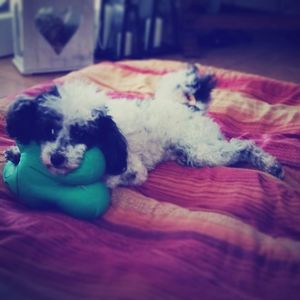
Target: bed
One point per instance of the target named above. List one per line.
(210, 233)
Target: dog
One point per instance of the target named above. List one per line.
(134, 135)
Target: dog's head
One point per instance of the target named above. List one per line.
(66, 121)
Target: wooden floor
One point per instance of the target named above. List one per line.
(271, 54)
(11, 81)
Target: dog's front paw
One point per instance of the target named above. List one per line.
(113, 181)
(120, 180)
(12, 154)
(129, 178)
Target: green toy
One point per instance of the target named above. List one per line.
(79, 193)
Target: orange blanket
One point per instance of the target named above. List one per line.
(210, 233)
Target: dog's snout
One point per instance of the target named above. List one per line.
(57, 159)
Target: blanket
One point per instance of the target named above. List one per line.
(209, 233)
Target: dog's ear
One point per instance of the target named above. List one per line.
(113, 145)
(20, 120)
(52, 91)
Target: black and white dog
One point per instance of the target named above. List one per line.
(134, 135)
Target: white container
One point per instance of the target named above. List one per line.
(52, 35)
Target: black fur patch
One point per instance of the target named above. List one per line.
(203, 88)
(21, 120)
(48, 123)
(113, 145)
(28, 120)
(84, 133)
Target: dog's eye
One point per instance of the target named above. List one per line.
(52, 133)
(82, 134)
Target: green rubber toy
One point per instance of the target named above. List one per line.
(79, 193)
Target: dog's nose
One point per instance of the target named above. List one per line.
(57, 159)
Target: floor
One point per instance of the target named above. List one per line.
(11, 81)
(267, 53)
(271, 54)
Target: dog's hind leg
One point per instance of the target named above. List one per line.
(225, 153)
(187, 84)
(258, 158)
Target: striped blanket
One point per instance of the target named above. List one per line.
(210, 233)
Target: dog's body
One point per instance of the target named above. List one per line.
(134, 135)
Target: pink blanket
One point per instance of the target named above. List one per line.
(210, 233)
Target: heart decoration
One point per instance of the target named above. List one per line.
(57, 27)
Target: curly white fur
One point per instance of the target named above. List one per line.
(163, 128)
(157, 129)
